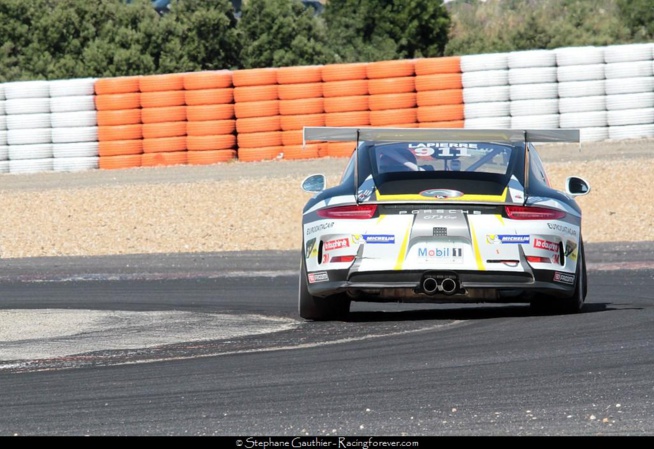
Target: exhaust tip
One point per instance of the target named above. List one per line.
(430, 286)
(449, 286)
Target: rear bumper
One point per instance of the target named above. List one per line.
(535, 281)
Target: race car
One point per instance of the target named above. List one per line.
(442, 216)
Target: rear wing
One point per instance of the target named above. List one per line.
(326, 133)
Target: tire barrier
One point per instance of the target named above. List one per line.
(120, 130)
(218, 116)
(210, 114)
(29, 134)
(256, 111)
(294, 103)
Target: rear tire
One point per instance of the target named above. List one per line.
(572, 304)
(575, 303)
(318, 308)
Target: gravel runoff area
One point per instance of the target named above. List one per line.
(241, 206)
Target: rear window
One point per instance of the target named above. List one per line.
(472, 157)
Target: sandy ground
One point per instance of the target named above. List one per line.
(257, 206)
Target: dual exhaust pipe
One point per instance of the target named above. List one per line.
(443, 284)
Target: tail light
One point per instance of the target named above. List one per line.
(532, 213)
(336, 259)
(354, 212)
(538, 259)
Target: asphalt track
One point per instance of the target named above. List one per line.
(210, 344)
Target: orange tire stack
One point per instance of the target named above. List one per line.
(392, 101)
(439, 92)
(256, 108)
(345, 93)
(118, 105)
(300, 104)
(210, 124)
(163, 114)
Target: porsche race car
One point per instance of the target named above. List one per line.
(442, 216)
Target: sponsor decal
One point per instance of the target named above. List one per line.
(366, 189)
(320, 276)
(320, 227)
(437, 253)
(336, 244)
(562, 228)
(507, 238)
(309, 247)
(440, 217)
(363, 195)
(379, 238)
(325, 258)
(545, 244)
(556, 259)
(444, 149)
(564, 278)
(441, 193)
(570, 247)
(440, 211)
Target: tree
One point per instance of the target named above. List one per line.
(509, 25)
(18, 52)
(209, 38)
(277, 33)
(371, 30)
(638, 16)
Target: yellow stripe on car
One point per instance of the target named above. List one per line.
(475, 248)
(402, 255)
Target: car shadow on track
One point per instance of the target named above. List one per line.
(474, 312)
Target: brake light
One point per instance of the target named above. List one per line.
(532, 213)
(361, 212)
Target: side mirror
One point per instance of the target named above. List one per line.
(576, 186)
(314, 183)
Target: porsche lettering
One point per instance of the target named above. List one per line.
(440, 211)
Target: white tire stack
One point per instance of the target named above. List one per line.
(582, 102)
(629, 91)
(74, 124)
(4, 149)
(485, 81)
(29, 137)
(532, 89)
